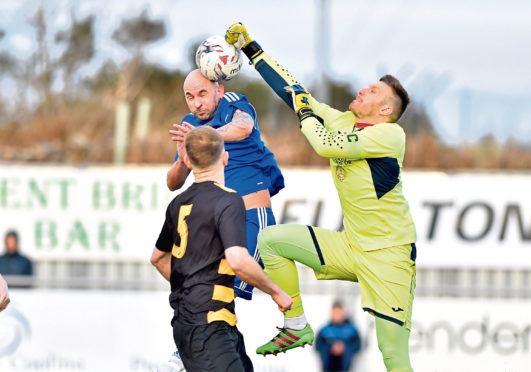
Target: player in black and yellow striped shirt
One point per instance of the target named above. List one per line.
(199, 250)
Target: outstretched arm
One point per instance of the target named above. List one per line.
(275, 75)
(328, 144)
(246, 268)
(382, 140)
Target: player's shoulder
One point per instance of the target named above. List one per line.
(391, 133)
(226, 197)
(387, 128)
(180, 198)
(235, 101)
(174, 205)
(225, 188)
(393, 127)
(227, 194)
(232, 97)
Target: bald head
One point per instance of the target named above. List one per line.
(202, 95)
(196, 78)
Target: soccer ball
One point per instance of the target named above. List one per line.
(217, 59)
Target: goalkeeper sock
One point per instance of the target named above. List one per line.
(297, 323)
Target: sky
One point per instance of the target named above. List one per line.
(468, 62)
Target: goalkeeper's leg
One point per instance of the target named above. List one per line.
(393, 342)
(280, 246)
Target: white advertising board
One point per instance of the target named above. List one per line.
(460, 335)
(84, 213)
(100, 331)
(462, 219)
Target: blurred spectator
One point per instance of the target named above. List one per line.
(12, 263)
(338, 341)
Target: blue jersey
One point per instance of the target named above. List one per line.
(252, 166)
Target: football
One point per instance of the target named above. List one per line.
(217, 59)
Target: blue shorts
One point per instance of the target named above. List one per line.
(255, 220)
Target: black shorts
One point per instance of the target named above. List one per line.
(217, 346)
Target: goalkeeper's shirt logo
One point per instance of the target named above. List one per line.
(340, 173)
(340, 170)
(341, 162)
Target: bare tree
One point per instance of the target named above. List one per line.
(134, 34)
(8, 63)
(42, 68)
(79, 40)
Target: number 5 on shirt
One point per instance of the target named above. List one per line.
(182, 228)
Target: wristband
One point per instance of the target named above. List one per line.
(252, 50)
(304, 113)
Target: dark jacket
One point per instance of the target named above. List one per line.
(15, 264)
(330, 333)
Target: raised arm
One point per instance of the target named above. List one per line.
(177, 174)
(381, 140)
(275, 75)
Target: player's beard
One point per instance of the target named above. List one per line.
(203, 114)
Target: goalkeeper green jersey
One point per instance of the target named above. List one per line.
(366, 162)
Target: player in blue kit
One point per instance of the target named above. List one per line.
(252, 169)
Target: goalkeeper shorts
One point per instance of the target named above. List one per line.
(386, 276)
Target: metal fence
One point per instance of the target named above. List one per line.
(131, 275)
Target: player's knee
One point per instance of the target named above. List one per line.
(264, 240)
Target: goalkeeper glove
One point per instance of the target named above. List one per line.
(237, 35)
(300, 102)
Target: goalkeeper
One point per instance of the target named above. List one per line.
(377, 248)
